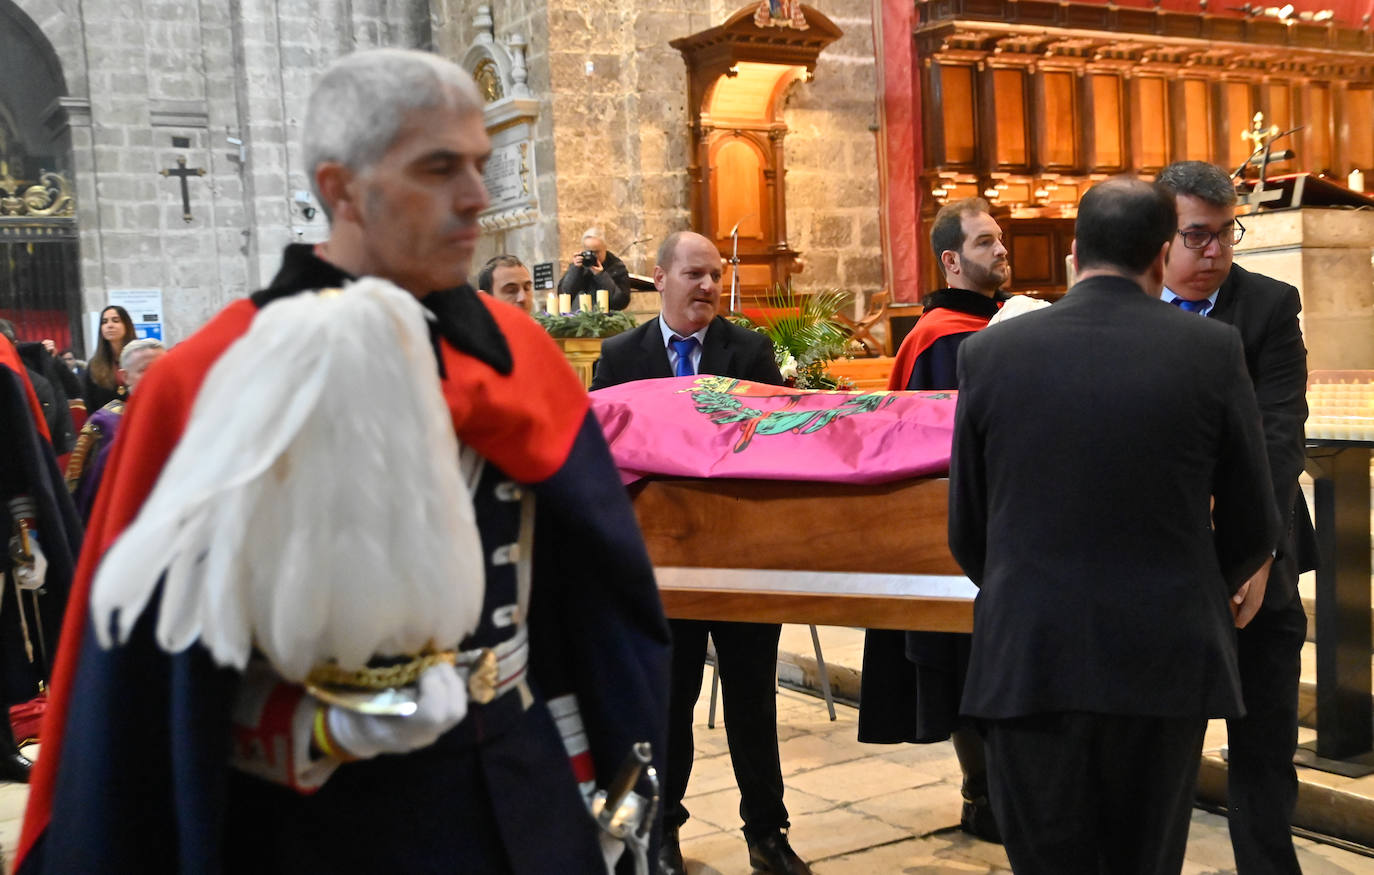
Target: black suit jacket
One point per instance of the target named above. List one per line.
(1265, 312)
(1090, 438)
(728, 351)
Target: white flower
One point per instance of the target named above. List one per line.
(789, 368)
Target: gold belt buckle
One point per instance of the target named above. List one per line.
(483, 677)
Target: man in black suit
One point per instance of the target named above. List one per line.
(1109, 496)
(689, 338)
(1262, 785)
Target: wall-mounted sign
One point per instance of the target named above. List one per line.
(145, 309)
(543, 275)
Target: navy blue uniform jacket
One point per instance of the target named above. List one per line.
(135, 774)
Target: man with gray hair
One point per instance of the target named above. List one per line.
(1199, 277)
(481, 754)
(86, 465)
(596, 269)
(135, 358)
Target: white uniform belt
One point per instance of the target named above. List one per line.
(494, 671)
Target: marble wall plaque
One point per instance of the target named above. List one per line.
(507, 176)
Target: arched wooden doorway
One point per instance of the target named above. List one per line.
(738, 75)
(40, 287)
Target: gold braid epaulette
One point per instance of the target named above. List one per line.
(76, 465)
(402, 675)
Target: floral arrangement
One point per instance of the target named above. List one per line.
(806, 335)
(586, 323)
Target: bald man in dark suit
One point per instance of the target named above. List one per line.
(688, 337)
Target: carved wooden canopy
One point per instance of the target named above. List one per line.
(711, 52)
(738, 76)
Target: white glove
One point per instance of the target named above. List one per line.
(442, 705)
(32, 569)
(611, 849)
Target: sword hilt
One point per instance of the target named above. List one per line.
(627, 777)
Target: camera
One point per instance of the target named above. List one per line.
(588, 258)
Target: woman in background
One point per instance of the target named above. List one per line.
(102, 382)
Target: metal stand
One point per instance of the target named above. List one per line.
(824, 673)
(734, 267)
(1345, 712)
(715, 681)
(820, 667)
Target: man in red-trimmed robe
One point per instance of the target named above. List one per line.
(912, 681)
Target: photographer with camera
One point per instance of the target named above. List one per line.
(596, 269)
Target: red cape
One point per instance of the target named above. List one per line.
(9, 358)
(524, 423)
(932, 326)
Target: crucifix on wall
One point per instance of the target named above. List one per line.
(182, 171)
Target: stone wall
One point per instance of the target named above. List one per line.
(832, 162)
(610, 145)
(207, 71)
(620, 121)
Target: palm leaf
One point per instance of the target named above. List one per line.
(806, 328)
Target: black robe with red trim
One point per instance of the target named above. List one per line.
(912, 681)
(28, 468)
(134, 774)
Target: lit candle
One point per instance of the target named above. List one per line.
(551, 306)
(603, 300)
(565, 303)
(584, 302)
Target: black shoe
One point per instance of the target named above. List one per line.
(14, 767)
(670, 860)
(978, 820)
(772, 853)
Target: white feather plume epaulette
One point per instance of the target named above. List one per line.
(1017, 305)
(314, 507)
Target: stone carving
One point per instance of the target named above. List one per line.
(780, 13)
(500, 70)
(510, 112)
(488, 80)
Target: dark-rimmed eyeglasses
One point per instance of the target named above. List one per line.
(1198, 239)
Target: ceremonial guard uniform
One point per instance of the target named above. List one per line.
(39, 522)
(87, 462)
(136, 775)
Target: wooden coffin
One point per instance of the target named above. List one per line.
(800, 552)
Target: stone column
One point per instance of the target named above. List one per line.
(1329, 255)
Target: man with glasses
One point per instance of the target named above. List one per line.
(1271, 625)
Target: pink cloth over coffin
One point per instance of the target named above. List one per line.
(706, 426)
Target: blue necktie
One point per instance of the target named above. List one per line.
(684, 347)
(1193, 306)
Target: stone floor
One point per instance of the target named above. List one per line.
(859, 808)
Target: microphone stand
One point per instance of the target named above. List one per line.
(734, 265)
